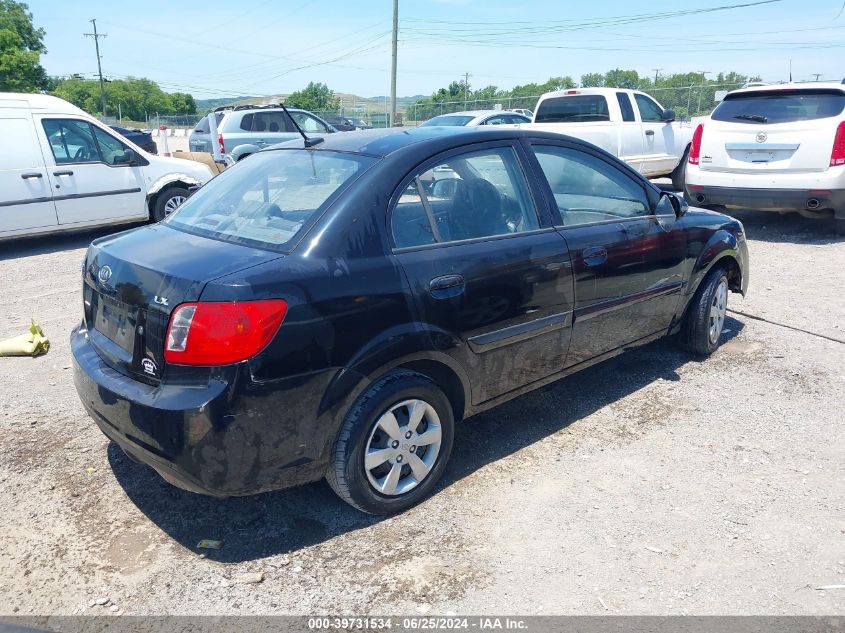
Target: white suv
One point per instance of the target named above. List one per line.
(774, 148)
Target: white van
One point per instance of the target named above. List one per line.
(61, 169)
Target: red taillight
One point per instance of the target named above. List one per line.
(695, 146)
(207, 333)
(220, 141)
(837, 154)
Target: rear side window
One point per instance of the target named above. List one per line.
(589, 190)
(469, 196)
(267, 201)
(625, 105)
(265, 122)
(572, 109)
(779, 106)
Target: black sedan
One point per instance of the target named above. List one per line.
(142, 139)
(333, 311)
(347, 124)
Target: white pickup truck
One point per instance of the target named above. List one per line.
(627, 123)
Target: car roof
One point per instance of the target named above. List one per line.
(382, 142)
(44, 103)
(472, 113)
(807, 85)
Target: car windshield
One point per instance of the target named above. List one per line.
(449, 119)
(779, 106)
(265, 201)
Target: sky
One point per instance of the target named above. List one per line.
(267, 47)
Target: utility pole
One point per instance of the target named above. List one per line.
(816, 75)
(393, 63)
(656, 70)
(97, 37)
(466, 88)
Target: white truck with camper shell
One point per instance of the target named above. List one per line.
(627, 123)
(774, 148)
(62, 170)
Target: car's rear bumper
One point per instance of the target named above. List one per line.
(767, 199)
(227, 436)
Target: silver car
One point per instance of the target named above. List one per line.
(471, 118)
(245, 130)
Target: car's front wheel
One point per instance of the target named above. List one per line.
(168, 201)
(705, 317)
(394, 444)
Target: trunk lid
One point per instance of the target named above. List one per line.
(134, 280)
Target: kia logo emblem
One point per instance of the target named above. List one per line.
(104, 275)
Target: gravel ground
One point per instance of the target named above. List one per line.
(650, 484)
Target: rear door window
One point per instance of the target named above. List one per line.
(269, 200)
(625, 105)
(573, 109)
(266, 122)
(468, 196)
(779, 106)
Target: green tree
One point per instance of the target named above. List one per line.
(21, 47)
(182, 103)
(618, 78)
(316, 97)
(592, 80)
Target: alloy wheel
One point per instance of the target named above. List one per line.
(717, 310)
(172, 204)
(403, 447)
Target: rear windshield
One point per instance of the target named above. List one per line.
(203, 126)
(572, 109)
(450, 119)
(266, 200)
(779, 106)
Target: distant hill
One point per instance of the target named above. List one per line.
(209, 104)
(401, 101)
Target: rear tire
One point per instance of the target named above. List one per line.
(705, 316)
(679, 175)
(400, 470)
(168, 201)
(839, 226)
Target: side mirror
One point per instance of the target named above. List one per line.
(129, 157)
(679, 205)
(668, 116)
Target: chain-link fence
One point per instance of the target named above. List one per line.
(686, 101)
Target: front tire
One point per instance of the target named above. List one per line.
(705, 317)
(393, 445)
(168, 201)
